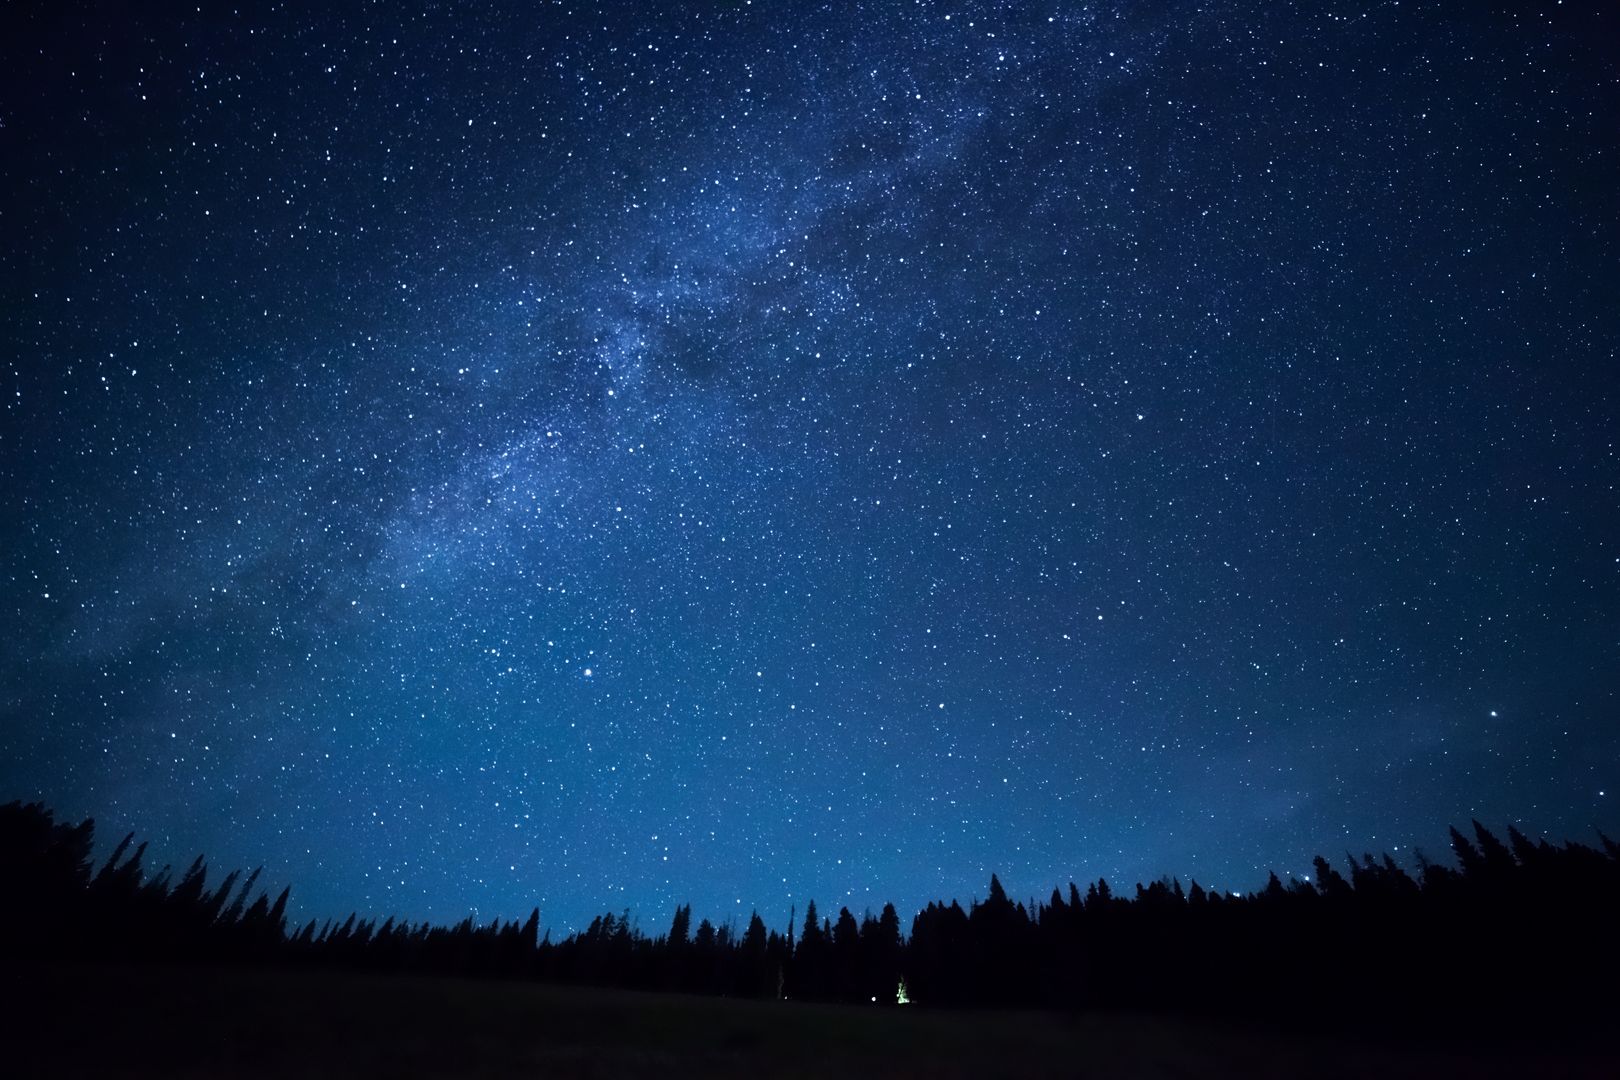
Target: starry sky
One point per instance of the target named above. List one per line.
(466, 457)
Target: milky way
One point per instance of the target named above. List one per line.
(486, 456)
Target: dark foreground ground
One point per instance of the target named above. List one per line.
(107, 1022)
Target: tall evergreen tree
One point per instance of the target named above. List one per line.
(1468, 856)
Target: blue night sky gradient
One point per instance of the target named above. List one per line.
(491, 455)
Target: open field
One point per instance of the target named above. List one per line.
(121, 1021)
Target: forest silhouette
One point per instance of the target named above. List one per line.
(1517, 928)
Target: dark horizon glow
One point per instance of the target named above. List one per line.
(735, 454)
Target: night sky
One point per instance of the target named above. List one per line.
(494, 455)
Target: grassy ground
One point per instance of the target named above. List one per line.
(104, 1022)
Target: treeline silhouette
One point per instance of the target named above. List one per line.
(1516, 927)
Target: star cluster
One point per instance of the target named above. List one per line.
(612, 457)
